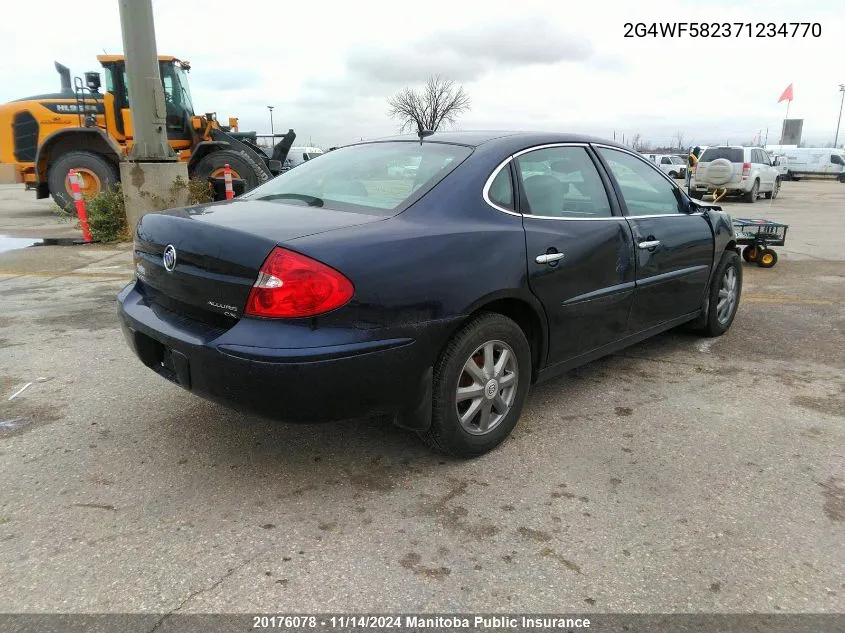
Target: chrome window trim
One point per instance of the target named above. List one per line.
(486, 190)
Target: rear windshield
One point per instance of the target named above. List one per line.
(733, 154)
(365, 178)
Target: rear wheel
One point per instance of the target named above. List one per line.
(480, 383)
(723, 297)
(751, 196)
(97, 174)
(749, 253)
(213, 166)
(767, 258)
(673, 174)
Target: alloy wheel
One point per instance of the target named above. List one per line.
(487, 386)
(727, 296)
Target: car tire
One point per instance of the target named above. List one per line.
(485, 338)
(842, 178)
(767, 258)
(751, 196)
(718, 317)
(673, 174)
(101, 172)
(212, 164)
(771, 195)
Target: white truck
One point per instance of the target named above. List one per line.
(671, 165)
(823, 162)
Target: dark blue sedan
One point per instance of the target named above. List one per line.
(439, 294)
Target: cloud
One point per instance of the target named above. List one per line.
(466, 55)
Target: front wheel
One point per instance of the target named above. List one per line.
(481, 381)
(767, 258)
(95, 172)
(723, 297)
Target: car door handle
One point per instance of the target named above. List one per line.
(548, 258)
(649, 244)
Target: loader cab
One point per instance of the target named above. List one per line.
(177, 97)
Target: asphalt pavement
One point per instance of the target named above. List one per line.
(681, 475)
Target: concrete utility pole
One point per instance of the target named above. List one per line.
(152, 167)
(839, 120)
(272, 131)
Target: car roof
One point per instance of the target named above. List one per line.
(477, 138)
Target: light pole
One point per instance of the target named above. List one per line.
(839, 120)
(272, 132)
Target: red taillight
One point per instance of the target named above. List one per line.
(290, 285)
(746, 169)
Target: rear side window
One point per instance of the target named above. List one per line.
(732, 154)
(365, 178)
(562, 182)
(501, 189)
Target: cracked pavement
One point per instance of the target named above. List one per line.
(681, 475)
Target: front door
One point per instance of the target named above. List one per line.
(580, 249)
(674, 248)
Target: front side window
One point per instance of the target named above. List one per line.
(645, 190)
(836, 159)
(562, 182)
(363, 178)
(665, 161)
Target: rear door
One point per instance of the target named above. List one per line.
(674, 248)
(580, 252)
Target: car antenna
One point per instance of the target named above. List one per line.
(423, 133)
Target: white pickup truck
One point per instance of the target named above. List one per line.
(671, 165)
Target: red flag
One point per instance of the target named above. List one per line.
(787, 94)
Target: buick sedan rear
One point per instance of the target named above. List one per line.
(438, 295)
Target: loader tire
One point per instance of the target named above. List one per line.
(97, 174)
(212, 165)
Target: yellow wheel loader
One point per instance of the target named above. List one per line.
(90, 131)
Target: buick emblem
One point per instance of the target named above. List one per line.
(169, 258)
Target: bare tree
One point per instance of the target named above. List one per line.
(635, 141)
(439, 101)
(679, 139)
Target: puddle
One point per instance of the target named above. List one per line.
(13, 424)
(11, 243)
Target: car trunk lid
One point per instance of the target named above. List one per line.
(214, 253)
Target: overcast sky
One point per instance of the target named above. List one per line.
(327, 67)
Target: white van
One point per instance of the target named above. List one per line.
(815, 161)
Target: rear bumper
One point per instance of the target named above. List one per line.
(297, 384)
(743, 186)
